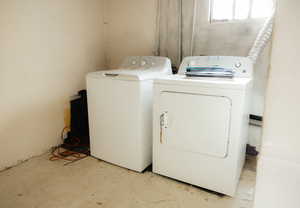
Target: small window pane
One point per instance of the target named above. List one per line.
(242, 9)
(261, 8)
(222, 9)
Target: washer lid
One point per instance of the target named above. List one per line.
(137, 68)
(127, 74)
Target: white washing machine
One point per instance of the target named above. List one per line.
(120, 111)
(200, 124)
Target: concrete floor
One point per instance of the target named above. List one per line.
(39, 183)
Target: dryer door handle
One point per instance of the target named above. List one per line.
(163, 124)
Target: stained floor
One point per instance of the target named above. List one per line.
(39, 183)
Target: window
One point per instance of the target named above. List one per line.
(228, 10)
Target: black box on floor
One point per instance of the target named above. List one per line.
(78, 138)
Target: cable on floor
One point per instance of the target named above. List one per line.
(62, 153)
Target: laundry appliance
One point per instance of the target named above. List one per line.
(200, 122)
(120, 111)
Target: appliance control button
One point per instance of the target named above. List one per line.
(143, 63)
(238, 64)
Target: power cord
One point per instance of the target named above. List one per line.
(62, 153)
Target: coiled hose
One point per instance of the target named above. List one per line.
(263, 38)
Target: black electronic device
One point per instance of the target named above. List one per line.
(78, 138)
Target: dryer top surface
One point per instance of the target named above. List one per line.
(223, 83)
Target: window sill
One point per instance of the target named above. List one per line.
(250, 20)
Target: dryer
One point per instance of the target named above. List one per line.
(200, 124)
(120, 111)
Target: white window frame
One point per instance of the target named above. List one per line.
(211, 11)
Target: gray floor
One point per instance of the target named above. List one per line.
(39, 183)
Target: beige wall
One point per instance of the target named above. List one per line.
(131, 29)
(46, 48)
(283, 97)
(279, 165)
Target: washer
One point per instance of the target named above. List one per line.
(200, 124)
(120, 111)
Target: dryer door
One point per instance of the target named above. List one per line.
(195, 123)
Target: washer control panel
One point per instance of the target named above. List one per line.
(145, 63)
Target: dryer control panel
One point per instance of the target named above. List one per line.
(242, 66)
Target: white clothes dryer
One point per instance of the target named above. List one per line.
(200, 124)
